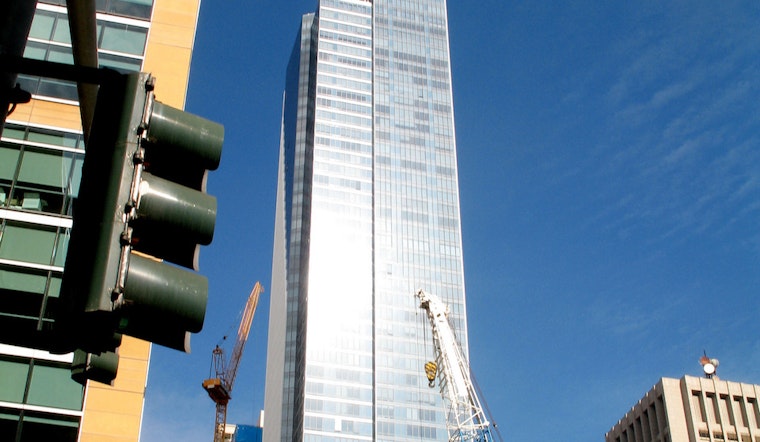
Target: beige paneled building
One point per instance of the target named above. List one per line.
(692, 409)
(40, 163)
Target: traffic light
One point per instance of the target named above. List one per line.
(141, 214)
(97, 367)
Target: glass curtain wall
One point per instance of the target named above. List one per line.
(371, 214)
(417, 225)
(338, 395)
(40, 170)
(297, 152)
(30, 390)
(121, 42)
(328, 162)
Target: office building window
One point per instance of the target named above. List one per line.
(52, 26)
(29, 281)
(28, 243)
(30, 277)
(121, 43)
(125, 8)
(40, 169)
(37, 426)
(40, 383)
(120, 37)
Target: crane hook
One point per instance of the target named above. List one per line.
(431, 369)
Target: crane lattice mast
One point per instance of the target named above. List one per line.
(219, 388)
(466, 418)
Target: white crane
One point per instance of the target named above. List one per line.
(466, 418)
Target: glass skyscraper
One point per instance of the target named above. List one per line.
(367, 213)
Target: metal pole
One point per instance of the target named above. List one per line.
(82, 26)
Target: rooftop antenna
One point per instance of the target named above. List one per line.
(709, 366)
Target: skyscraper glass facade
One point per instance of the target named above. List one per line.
(368, 212)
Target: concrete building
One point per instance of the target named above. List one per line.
(692, 409)
(41, 155)
(367, 214)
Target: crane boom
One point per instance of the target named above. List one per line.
(242, 335)
(219, 388)
(466, 419)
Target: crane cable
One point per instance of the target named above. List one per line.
(211, 371)
(232, 327)
(220, 343)
(424, 327)
(431, 368)
(494, 425)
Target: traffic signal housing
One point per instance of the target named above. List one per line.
(141, 214)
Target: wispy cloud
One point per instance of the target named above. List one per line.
(624, 316)
(679, 153)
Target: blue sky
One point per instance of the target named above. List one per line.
(609, 166)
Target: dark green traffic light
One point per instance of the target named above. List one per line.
(140, 217)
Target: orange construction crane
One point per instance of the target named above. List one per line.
(219, 388)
